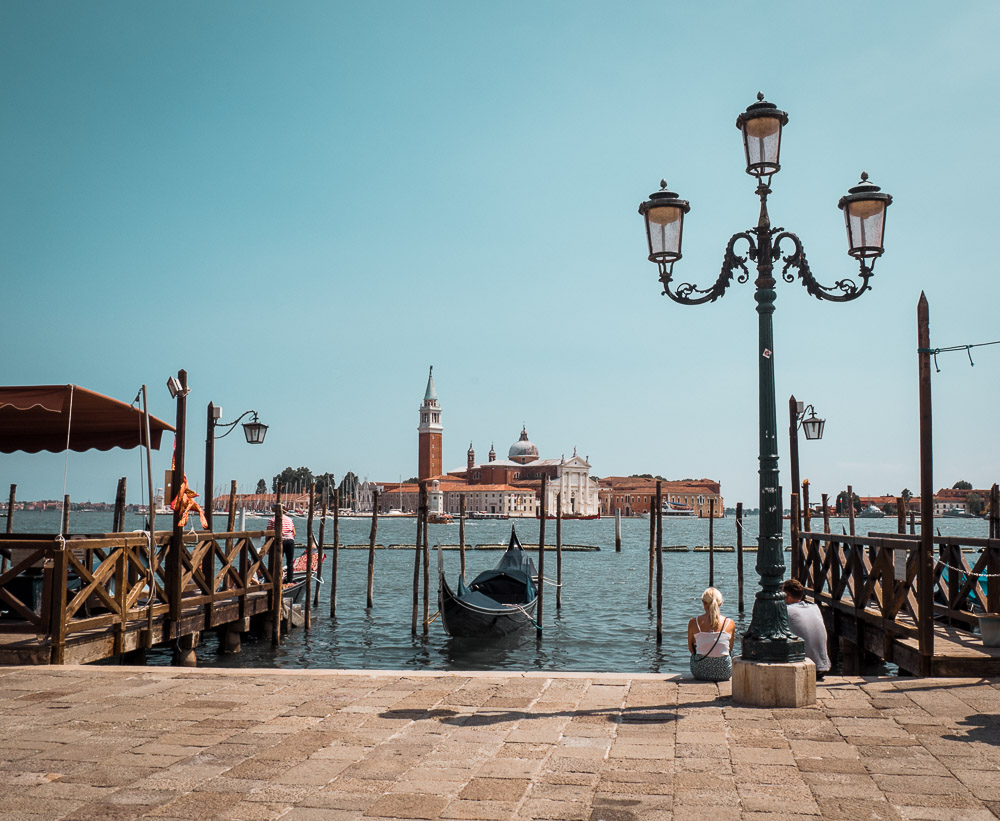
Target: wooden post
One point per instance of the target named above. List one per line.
(900, 515)
(739, 552)
(118, 520)
(826, 513)
(307, 624)
(231, 518)
(796, 539)
(461, 534)
(711, 542)
(806, 509)
(322, 537)
(559, 551)
(793, 455)
(57, 621)
(336, 552)
(371, 551)
(659, 562)
(10, 523)
(174, 563)
(208, 502)
(850, 509)
(65, 516)
(652, 554)
(277, 568)
(925, 569)
(913, 524)
(541, 556)
(993, 554)
(421, 501)
(10, 508)
(618, 530)
(426, 554)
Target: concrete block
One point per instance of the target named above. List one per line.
(774, 685)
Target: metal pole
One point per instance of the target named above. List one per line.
(793, 460)
(768, 638)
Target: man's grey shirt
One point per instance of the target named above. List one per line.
(806, 622)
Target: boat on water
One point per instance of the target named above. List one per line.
(677, 509)
(871, 512)
(499, 602)
(439, 518)
(477, 514)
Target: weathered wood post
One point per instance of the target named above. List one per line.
(900, 515)
(806, 508)
(541, 556)
(826, 513)
(796, 539)
(426, 554)
(618, 530)
(652, 554)
(659, 562)
(336, 552)
(276, 567)
(850, 509)
(307, 624)
(558, 551)
(461, 534)
(371, 551)
(711, 542)
(739, 552)
(10, 508)
(421, 501)
(174, 563)
(925, 568)
(65, 516)
(118, 520)
(321, 555)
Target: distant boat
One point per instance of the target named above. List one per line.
(677, 509)
(480, 515)
(497, 603)
(871, 512)
(439, 518)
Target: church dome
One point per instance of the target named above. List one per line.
(523, 450)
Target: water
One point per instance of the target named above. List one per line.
(604, 624)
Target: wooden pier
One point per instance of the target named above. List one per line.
(869, 589)
(80, 599)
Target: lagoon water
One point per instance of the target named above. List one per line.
(604, 624)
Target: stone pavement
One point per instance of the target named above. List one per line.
(130, 742)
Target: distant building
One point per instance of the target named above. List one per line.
(634, 495)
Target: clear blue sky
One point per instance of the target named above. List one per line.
(306, 204)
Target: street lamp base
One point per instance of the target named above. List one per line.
(773, 650)
(774, 685)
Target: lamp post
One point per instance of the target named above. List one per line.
(768, 638)
(254, 430)
(813, 428)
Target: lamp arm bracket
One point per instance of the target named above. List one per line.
(843, 290)
(232, 425)
(688, 294)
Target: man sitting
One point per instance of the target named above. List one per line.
(806, 622)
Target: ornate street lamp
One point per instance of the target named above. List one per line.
(813, 427)
(254, 431)
(768, 638)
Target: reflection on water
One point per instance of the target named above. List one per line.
(604, 624)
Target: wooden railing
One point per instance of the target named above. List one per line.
(57, 588)
(875, 579)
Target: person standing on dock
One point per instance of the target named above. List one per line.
(287, 542)
(806, 622)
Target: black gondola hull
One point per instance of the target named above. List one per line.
(464, 622)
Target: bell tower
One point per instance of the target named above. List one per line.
(429, 431)
(470, 458)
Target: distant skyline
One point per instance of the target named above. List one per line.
(307, 204)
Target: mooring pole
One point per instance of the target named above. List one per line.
(652, 554)
(659, 562)
(711, 542)
(276, 565)
(558, 551)
(618, 530)
(336, 552)
(541, 556)
(925, 569)
(322, 539)
(371, 551)
(739, 552)
(309, 555)
(421, 495)
(461, 534)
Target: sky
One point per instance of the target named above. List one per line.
(307, 204)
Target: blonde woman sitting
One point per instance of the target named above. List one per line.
(710, 639)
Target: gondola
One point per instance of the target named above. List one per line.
(497, 603)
